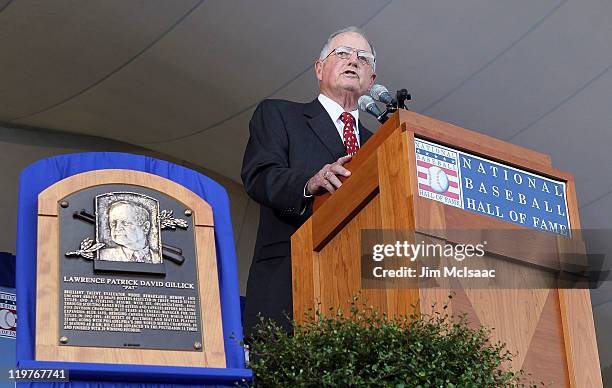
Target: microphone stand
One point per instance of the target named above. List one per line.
(402, 96)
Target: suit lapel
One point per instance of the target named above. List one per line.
(364, 134)
(322, 125)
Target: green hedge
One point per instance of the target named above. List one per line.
(367, 349)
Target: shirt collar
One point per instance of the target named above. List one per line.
(334, 109)
(138, 254)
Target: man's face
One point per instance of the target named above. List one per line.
(125, 228)
(337, 76)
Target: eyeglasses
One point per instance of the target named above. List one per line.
(344, 52)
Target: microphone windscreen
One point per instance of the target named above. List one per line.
(364, 101)
(380, 93)
(367, 104)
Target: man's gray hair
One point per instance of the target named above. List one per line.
(326, 48)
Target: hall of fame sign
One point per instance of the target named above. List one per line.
(479, 185)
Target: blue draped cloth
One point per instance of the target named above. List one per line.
(44, 173)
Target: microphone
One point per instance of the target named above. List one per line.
(367, 104)
(380, 93)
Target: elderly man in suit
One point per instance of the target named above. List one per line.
(297, 151)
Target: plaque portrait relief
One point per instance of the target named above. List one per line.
(128, 224)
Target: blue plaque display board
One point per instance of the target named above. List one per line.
(47, 172)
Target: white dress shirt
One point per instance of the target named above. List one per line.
(335, 110)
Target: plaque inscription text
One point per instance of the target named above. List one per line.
(128, 311)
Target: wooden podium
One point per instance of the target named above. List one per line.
(550, 329)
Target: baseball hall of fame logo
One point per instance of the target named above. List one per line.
(438, 173)
(8, 315)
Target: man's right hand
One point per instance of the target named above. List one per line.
(326, 180)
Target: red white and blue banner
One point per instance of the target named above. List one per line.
(8, 315)
(476, 184)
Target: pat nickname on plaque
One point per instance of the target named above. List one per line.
(128, 276)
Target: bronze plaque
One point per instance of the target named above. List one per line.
(128, 272)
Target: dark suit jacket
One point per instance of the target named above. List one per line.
(289, 142)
